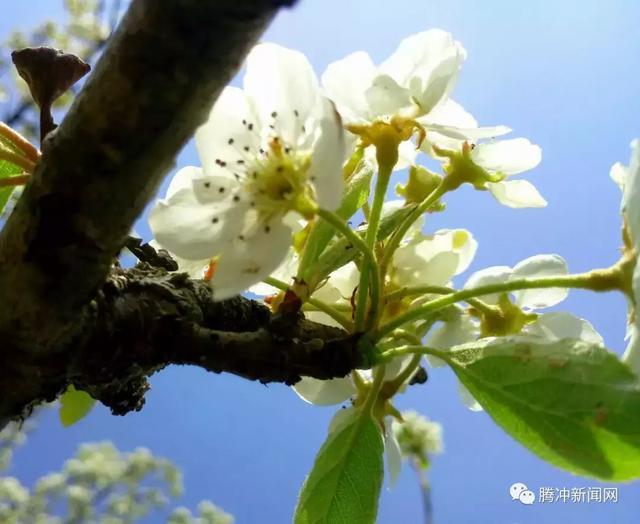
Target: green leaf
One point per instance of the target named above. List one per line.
(341, 252)
(7, 169)
(344, 484)
(356, 194)
(74, 406)
(574, 404)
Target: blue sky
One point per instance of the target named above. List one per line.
(563, 74)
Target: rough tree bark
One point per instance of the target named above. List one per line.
(66, 316)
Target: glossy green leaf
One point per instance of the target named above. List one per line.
(574, 404)
(344, 484)
(356, 194)
(74, 406)
(7, 169)
(341, 252)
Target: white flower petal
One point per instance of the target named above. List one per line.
(282, 80)
(429, 261)
(427, 63)
(459, 330)
(451, 120)
(284, 272)
(191, 230)
(183, 179)
(438, 270)
(449, 113)
(222, 138)
(631, 356)
(322, 318)
(559, 325)
(326, 160)
(345, 280)
(540, 266)
(324, 392)
(507, 156)
(434, 259)
(631, 212)
(396, 366)
(392, 451)
(250, 259)
(449, 125)
(346, 81)
(516, 193)
(428, 93)
(407, 154)
(631, 195)
(386, 97)
(468, 399)
(618, 174)
(463, 244)
(469, 134)
(486, 277)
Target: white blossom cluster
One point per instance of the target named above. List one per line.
(273, 155)
(272, 152)
(99, 484)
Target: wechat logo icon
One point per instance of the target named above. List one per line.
(520, 492)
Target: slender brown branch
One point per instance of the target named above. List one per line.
(20, 142)
(18, 160)
(13, 181)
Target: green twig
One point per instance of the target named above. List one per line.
(596, 280)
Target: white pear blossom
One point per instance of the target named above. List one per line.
(418, 436)
(420, 260)
(270, 152)
(628, 178)
(433, 259)
(551, 327)
(532, 267)
(414, 82)
(506, 158)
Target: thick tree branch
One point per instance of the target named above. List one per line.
(146, 318)
(154, 84)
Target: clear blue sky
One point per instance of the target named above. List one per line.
(565, 75)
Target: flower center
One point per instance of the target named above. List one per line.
(278, 182)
